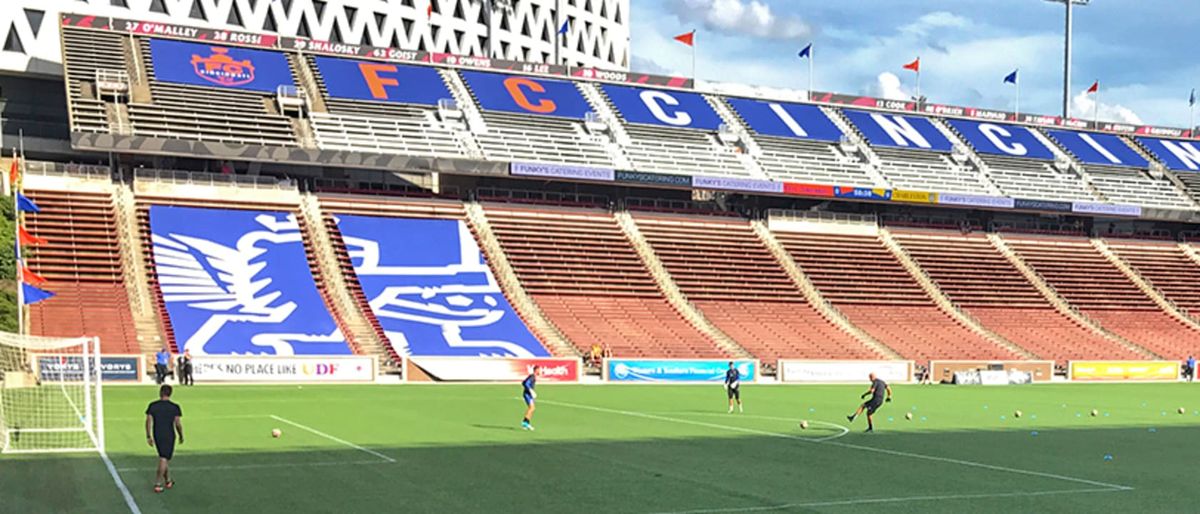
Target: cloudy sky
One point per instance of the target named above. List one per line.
(1138, 49)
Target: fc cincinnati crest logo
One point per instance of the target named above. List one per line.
(222, 70)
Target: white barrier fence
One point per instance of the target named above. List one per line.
(840, 372)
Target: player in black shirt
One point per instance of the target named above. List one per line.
(162, 422)
(733, 381)
(877, 390)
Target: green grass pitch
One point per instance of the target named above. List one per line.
(638, 449)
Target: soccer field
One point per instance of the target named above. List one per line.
(638, 449)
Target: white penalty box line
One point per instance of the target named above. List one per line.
(1096, 484)
(338, 440)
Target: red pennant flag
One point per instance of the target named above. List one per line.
(914, 66)
(429, 10)
(14, 171)
(1095, 87)
(29, 277)
(28, 239)
(688, 39)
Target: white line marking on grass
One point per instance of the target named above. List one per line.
(844, 430)
(900, 499)
(230, 467)
(332, 438)
(204, 418)
(845, 445)
(112, 470)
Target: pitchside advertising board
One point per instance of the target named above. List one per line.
(1002, 139)
(1099, 149)
(821, 371)
(898, 131)
(675, 109)
(676, 371)
(1124, 371)
(267, 369)
(219, 66)
(381, 82)
(526, 95)
(783, 119)
(490, 369)
(69, 368)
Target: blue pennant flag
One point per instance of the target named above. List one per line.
(24, 204)
(565, 26)
(31, 294)
(1011, 78)
(1192, 98)
(806, 52)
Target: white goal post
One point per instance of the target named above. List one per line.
(51, 395)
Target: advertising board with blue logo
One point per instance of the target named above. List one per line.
(1002, 139)
(676, 109)
(898, 131)
(230, 67)
(526, 95)
(676, 371)
(783, 119)
(1176, 154)
(69, 368)
(1097, 148)
(381, 82)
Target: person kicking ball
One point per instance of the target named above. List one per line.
(876, 392)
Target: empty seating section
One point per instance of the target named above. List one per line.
(866, 282)
(685, 151)
(514, 137)
(727, 272)
(810, 161)
(1029, 178)
(85, 52)
(82, 264)
(927, 171)
(979, 279)
(208, 114)
(1097, 288)
(1167, 268)
(383, 127)
(1134, 186)
(1191, 184)
(590, 283)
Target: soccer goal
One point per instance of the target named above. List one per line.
(51, 397)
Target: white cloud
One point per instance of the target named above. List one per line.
(1083, 106)
(735, 17)
(888, 86)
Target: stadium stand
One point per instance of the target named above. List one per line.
(1165, 266)
(866, 282)
(1135, 187)
(975, 276)
(1029, 178)
(586, 277)
(1093, 285)
(725, 271)
(87, 53)
(82, 264)
(912, 159)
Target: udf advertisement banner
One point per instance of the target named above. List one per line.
(1131, 371)
(266, 368)
(676, 371)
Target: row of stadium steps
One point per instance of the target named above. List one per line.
(383, 127)
(530, 137)
(728, 273)
(1135, 187)
(585, 276)
(160, 306)
(1033, 178)
(1092, 284)
(860, 276)
(979, 279)
(208, 114)
(85, 52)
(82, 265)
(1166, 267)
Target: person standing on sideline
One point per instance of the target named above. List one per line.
(1191, 365)
(733, 387)
(162, 361)
(162, 423)
(183, 368)
(530, 396)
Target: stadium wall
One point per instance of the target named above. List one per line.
(842, 372)
(1041, 371)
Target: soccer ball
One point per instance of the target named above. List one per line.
(276, 433)
(804, 425)
(908, 415)
(1182, 410)
(1017, 414)
(1095, 413)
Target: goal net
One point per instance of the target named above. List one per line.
(50, 395)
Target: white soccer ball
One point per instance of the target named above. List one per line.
(804, 425)
(1095, 413)
(276, 433)
(1017, 414)
(1182, 410)
(908, 415)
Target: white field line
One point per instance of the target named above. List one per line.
(843, 429)
(845, 445)
(230, 467)
(334, 439)
(112, 470)
(218, 417)
(899, 499)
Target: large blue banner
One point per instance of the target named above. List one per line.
(238, 282)
(526, 95)
(677, 109)
(782, 119)
(648, 370)
(1096, 148)
(898, 131)
(199, 64)
(430, 288)
(381, 82)
(1177, 155)
(1002, 139)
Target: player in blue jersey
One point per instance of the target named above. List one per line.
(733, 382)
(530, 395)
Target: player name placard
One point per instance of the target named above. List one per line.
(210, 368)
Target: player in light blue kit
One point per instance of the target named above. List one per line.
(530, 395)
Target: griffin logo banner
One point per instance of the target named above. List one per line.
(526, 95)
(219, 66)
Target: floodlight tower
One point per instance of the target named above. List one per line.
(1067, 54)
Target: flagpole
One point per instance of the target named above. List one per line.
(17, 251)
(693, 58)
(918, 85)
(1018, 106)
(1096, 109)
(811, 51)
